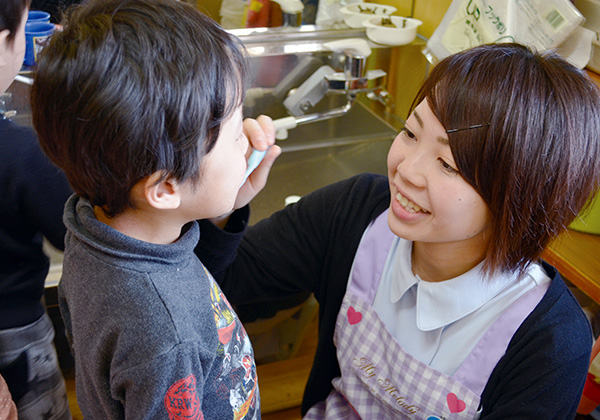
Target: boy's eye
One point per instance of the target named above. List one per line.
(446, 167)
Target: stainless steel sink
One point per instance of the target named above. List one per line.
(303, 171)
(320, 153)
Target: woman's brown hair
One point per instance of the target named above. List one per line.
(534, 155)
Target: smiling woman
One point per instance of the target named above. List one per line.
(517, 161)
(434, 206)
(432, 277)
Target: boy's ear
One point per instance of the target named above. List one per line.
(164, 194)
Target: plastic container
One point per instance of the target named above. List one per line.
(37, 35)
(403, 31)
(356, 14)
(589, 222)
(38, 16)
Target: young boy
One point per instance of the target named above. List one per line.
(33, 195)
(139, 102)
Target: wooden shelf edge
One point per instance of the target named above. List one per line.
(573, 274)
(281, 384)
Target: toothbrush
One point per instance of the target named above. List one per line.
(281, 127)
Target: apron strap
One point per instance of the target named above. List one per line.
(479, 364)
(370, 258)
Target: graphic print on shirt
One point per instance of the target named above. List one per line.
(182, 402)
(237, 381)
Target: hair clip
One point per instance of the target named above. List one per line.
(454, 130)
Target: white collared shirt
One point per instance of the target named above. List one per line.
(439, 323)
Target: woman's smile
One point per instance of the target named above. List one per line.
(408, 205)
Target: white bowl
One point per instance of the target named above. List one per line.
(404, 32)
(355, 14)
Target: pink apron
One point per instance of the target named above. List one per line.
(379, 379)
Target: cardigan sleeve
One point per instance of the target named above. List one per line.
(291, 251)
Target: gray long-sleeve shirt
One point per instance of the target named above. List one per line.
(152, 334)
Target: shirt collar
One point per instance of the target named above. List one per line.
(441, 303)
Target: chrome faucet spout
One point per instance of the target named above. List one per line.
(332, 113)
(282, 125)
(351, 54)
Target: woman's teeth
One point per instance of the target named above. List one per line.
(407, 204)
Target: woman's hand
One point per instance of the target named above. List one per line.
(261, 136)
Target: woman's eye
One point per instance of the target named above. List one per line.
(446, 167)
(409, 134)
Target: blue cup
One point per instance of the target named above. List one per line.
(38, 16)
(37, 35)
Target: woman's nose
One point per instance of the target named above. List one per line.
(413, 168)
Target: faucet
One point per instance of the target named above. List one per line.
(351, 54)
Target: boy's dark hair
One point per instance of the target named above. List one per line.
(536, 159)
(11, 12)
(132, 87)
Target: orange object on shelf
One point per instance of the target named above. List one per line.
(258, 14)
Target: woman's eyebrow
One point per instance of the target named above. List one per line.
(418, 118)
